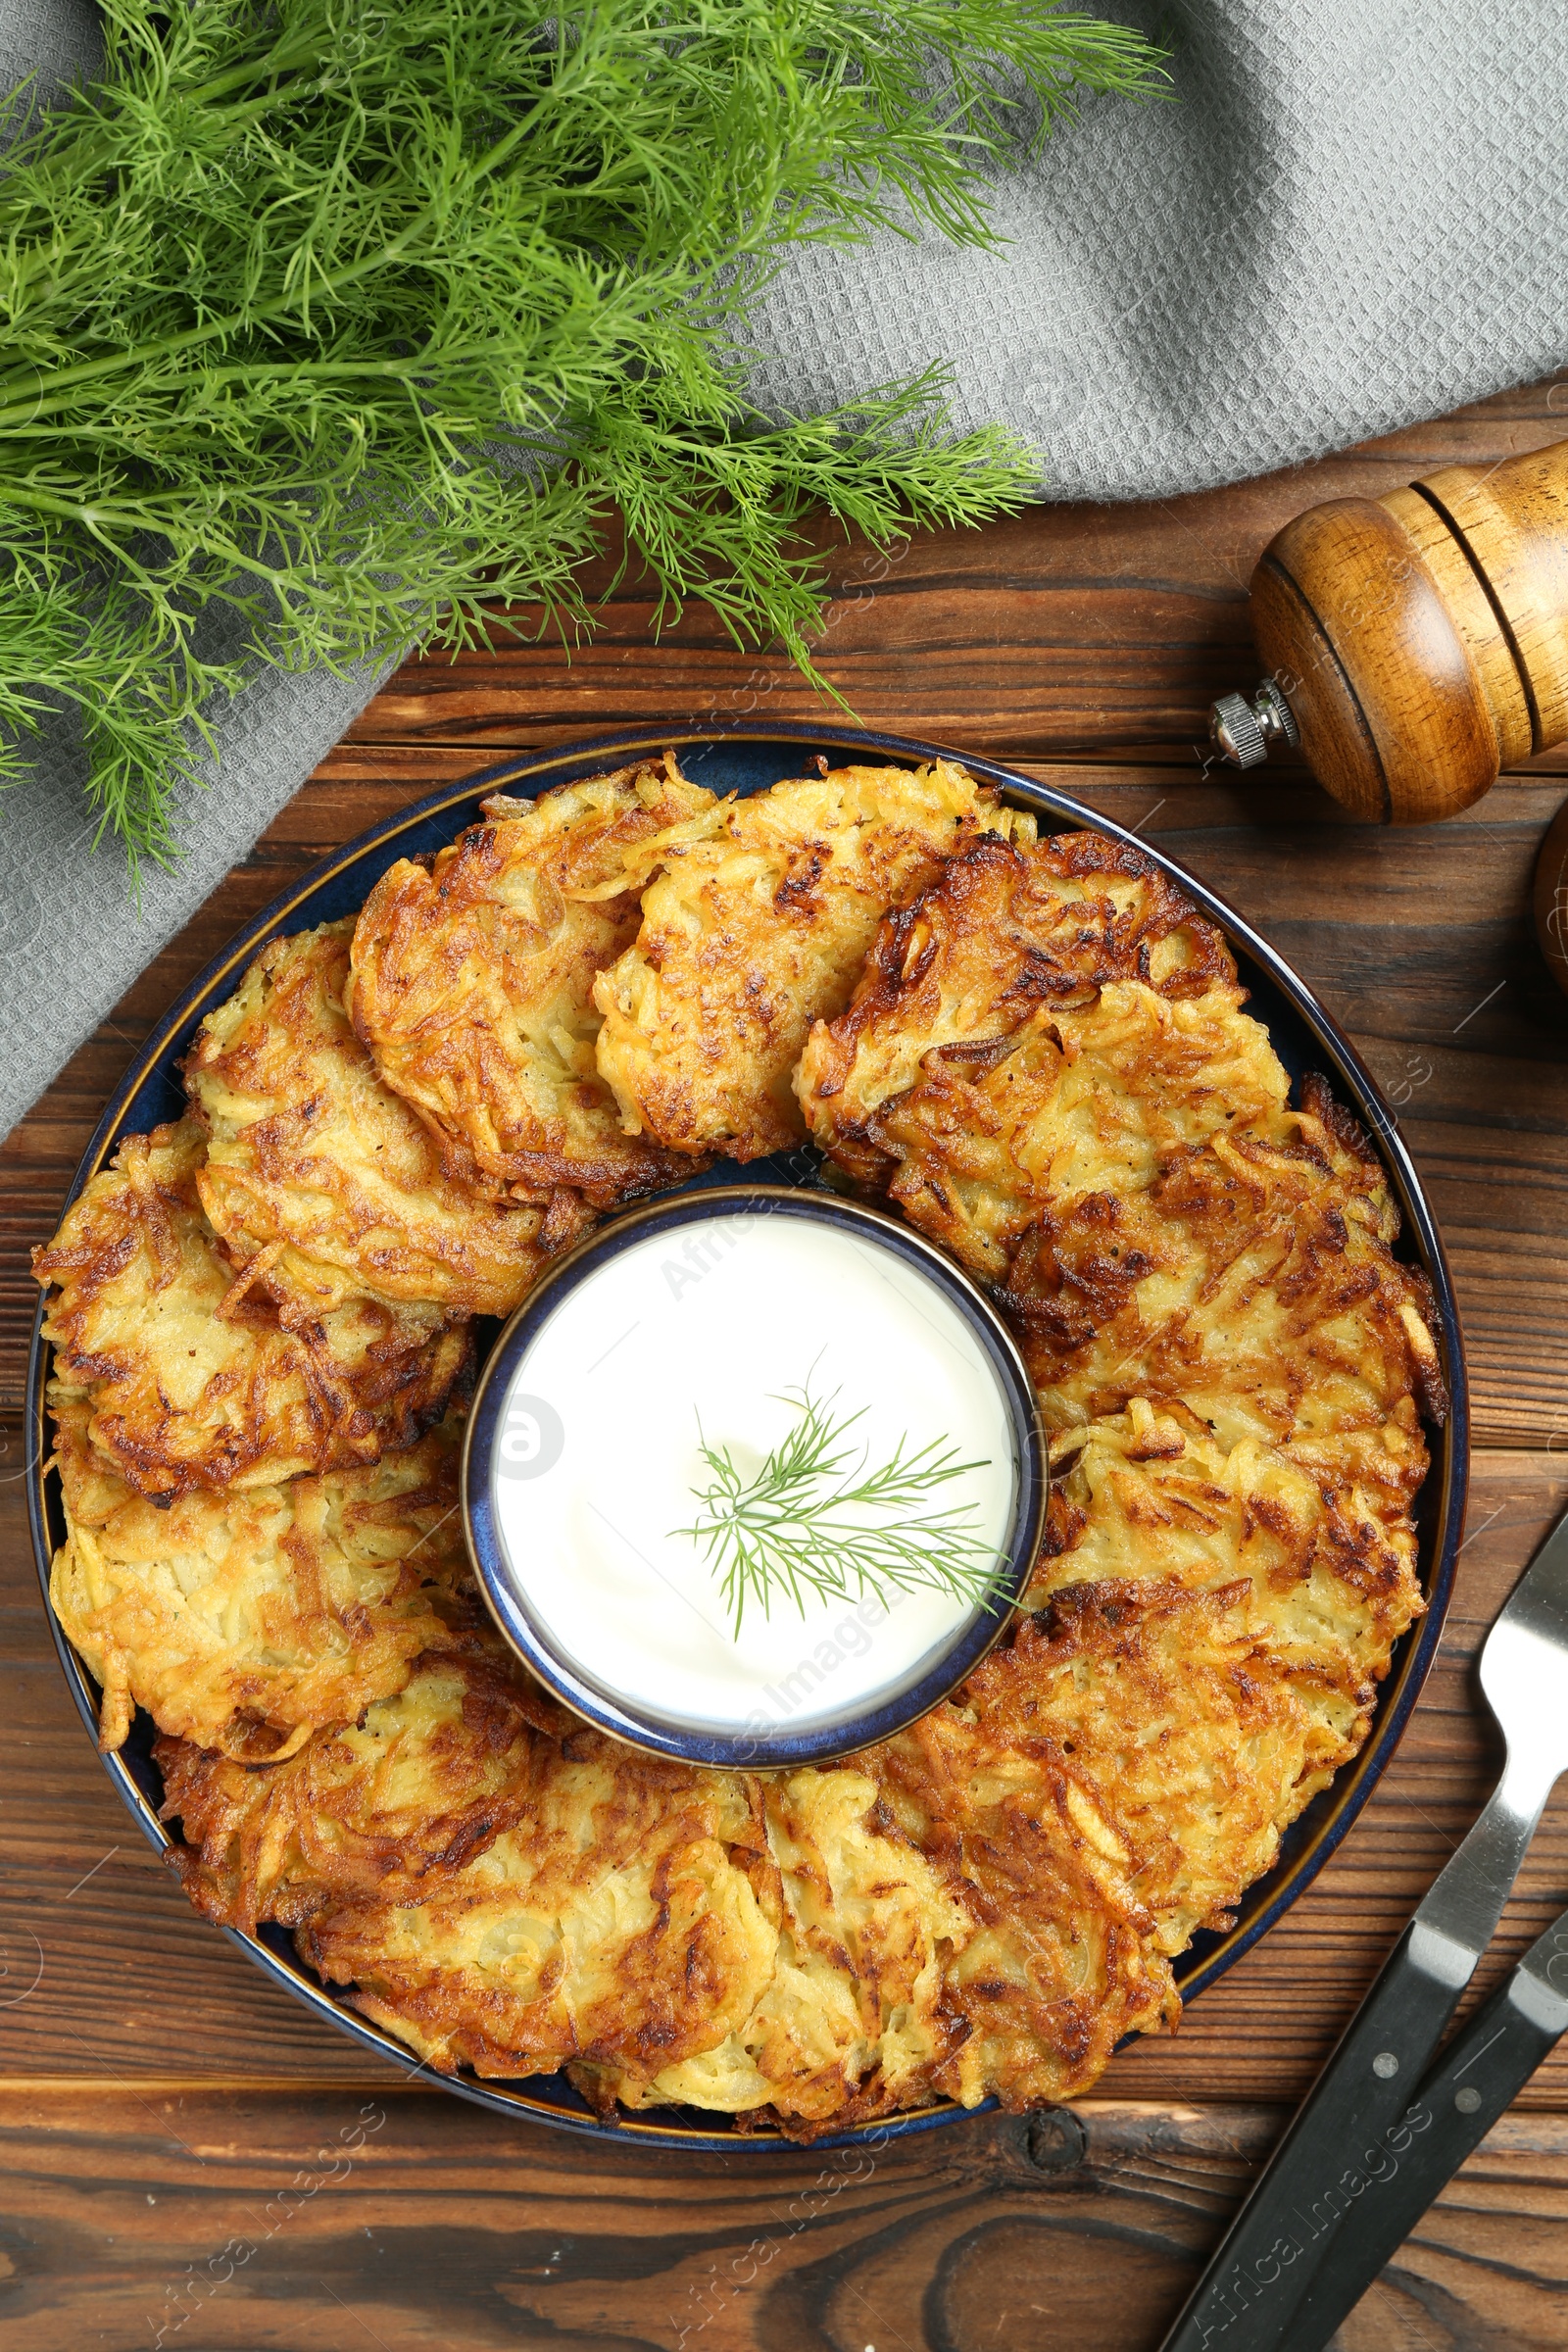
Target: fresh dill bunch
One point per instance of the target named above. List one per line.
(327, 327)
(817, 1520)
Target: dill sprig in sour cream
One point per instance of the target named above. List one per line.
(815, 1516)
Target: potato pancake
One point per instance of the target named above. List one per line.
(1320, 1528)
(1108, 1783)
(1047, 1067)
(518, 1902)
(614, 1921)
(758, 926)
(423, 1781)
(1044, 1021)
(473, 977)
(1253, 1280)
(850, 2019)
(244, 1620)
(188, 1376)
(322, 1173)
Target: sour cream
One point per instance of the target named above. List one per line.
(697, 1331)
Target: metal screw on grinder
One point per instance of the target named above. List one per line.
(1242, 732)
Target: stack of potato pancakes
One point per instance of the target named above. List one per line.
(1035, 1050)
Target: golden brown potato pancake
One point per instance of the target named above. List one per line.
(612, 1920)
(756, 927)
(1177, 1750)
(508, 1887)
(1045, 1020)
(473, 977)
(244, 1620)
(324, 1175)
(516, 1893)
(1254, 1279)
(1110, 1782)
(366, 1812)
(850, 2019)
(188, 1376)
(1320, 1528)
(1047, 1067)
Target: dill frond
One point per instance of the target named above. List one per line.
(817, 1520)
(340, 325)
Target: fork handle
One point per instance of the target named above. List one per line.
(1357, 2110)
(1481, 2073)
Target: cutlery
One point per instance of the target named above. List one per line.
(1362, 2114)
(1478, 2078)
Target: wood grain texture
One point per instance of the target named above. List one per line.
(271, 2222)
(1353, 630)
(155, 2091)
(1512, 521)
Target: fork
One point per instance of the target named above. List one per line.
(1361, 2116)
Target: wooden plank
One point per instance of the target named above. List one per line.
(107, 1973)
(276, 2223)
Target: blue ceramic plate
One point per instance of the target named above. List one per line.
(747, 759)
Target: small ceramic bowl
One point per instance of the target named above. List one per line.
(623, 1362)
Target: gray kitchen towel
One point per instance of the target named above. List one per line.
(1351, 218)
(1354, 217)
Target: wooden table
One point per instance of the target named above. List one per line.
(187, 2151)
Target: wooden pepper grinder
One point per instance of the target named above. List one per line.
(1416, 643)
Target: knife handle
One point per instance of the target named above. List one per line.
(1482, 2072)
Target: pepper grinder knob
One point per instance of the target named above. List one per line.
(1242, 732)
